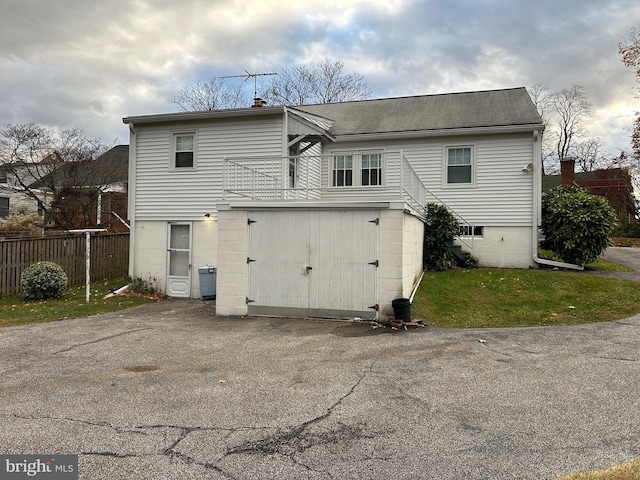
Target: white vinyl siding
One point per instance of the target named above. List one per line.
(503, 193)
(165, 193)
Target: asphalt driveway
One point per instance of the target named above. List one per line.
(168, 391)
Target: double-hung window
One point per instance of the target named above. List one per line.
(459, 165)
(371, 168)
(184, 150)
(357, 169)
(343, 171)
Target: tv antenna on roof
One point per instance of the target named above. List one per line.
(247, 76)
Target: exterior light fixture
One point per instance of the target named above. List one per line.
(207, 215)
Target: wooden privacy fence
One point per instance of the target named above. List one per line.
(109, 257)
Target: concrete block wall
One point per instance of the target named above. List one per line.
(149, 252)
(412, 246)
(503, 247)
(233, 275)
(400, 256)
(204, 250)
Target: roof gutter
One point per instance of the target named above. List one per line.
(443, 132)
(537, 200)
(204, 115)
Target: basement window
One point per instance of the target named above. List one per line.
(471, 231)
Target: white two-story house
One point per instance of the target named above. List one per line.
(318, 209)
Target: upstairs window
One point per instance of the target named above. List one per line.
(459, 165)
(184, 153)
(343, 171)
(3, 176)
(372, 169)
(358, 169)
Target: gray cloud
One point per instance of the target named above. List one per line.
(72, 62)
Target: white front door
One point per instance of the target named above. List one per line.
(179, 260)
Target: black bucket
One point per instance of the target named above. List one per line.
(402, 309)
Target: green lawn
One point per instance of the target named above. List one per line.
(15, 311)
(490, 297)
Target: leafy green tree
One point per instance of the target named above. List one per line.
(576, 224)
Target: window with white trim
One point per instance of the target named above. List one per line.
(357, 169)
(371, 168)
(459, 164)
(184, 155)
(343, 171)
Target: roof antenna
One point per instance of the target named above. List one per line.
(257, 102)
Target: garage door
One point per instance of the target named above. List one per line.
(313, 263)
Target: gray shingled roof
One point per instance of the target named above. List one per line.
(492, 108)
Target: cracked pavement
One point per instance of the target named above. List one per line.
(167, 391)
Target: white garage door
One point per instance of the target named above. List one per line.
(313, 263)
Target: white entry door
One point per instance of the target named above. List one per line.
(179, 260)
(313, 263)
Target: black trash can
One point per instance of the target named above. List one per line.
(402, 309)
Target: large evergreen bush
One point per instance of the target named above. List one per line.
(576, 225)
(43, 280)
(440, 230)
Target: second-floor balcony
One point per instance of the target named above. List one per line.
(344, 176)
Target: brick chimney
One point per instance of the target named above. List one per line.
(567, 171)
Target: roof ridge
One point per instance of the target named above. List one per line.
(401, 97)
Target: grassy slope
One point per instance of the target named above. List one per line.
(518, 298)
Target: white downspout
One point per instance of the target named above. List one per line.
(537, 200)
(131, 190)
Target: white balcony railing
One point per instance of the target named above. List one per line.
(308, 177)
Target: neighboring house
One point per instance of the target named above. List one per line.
(89, 194)
(18, 170)
(612, 183)
(319, 209)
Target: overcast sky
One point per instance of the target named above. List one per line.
(87, 63)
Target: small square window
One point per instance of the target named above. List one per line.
(184, 150)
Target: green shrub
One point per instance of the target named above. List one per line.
(630, 230)
(43, 280)
(440, 229)
(576, 224)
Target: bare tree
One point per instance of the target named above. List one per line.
(540, 97)
(589, 156)
(630, 54)
(323, 82)
(38, 159)
(213, 94)
(569, 108)
(563, 113)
